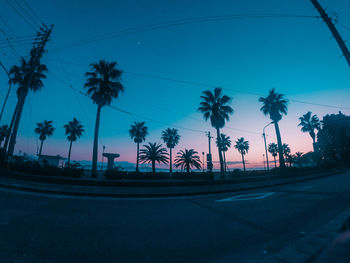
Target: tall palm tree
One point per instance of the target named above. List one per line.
(153, 153)
(4, 131)
(275, 106)
(171, 138)
(214, 107)
(273, 149)
(103, 85)
(27, 77)
(74, 130)
(242, 146)
(44, 130)
(188, 159)
(138, 132)
(309, 124)
(224, 142)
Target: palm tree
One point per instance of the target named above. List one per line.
(138, 132)
(286, 151)
(188, 159)
(298, 158)
(273, 149)
(171, 138)
(74, 130)
(27, 76)
(214, 107)
(224, 143)
(4, 131)
(309, 124)
(44, 130)
(242, 146)
(153, 153)
(103, 85)
(275, 106)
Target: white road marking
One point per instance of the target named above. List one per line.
(246, 197)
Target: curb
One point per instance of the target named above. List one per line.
(16, 186)
(308, 248)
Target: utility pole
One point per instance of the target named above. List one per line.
(35, 55)
(8, 91)
(209, 157)
(203, 161)
(333, 30)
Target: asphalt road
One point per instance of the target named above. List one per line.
(236, 227)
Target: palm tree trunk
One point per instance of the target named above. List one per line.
(220, 154)
(171, 161)
(188, 168)
(137, 157)
(41, 147)
(275, 161)
(280, 150)
(243, 161)
(12, 143)
(225, 161)
(95, 149)
(69, 152)
(153, 166)
(7, 139)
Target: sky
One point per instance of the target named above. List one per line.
(167, 69)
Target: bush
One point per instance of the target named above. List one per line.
(119, 175)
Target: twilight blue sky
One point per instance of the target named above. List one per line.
(297, 56)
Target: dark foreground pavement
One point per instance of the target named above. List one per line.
(214, 228)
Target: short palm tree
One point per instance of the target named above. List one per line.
(298, 158)
(309, 123)
(103, 85)
(224, 142)
(138, 132)
(273, 149)
(188, 159)
(154, 153)
(171, 138)
(28, 76)
(44, 130)
(275, 106)
(74, 130)
(243, 147)
(214, 107)
(286, 152)
(4, 131)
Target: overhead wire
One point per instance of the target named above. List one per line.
(21, 15)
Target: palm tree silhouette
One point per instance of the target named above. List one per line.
(153, 153)
(242, 146)
(275, 106)
(273, 149)
(27, 77)
(214, 107)
(171, 138)
(187, 159)
(4, 131)
(286, 151)
(44, 130)
(103, 85)
(309, 124)
(74, 130)
(138, 132)
(224, 142)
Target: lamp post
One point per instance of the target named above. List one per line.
(8, 91)
(267, 158)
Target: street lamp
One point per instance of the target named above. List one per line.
(267, 158)
(8, 92)
(203, 161)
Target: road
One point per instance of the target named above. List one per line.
(235, 227)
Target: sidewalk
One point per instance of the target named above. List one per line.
(147, 190)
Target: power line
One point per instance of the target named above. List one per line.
(207, 86)
(27, 14)
(179, 22)
(32, 11)
(20, 14)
